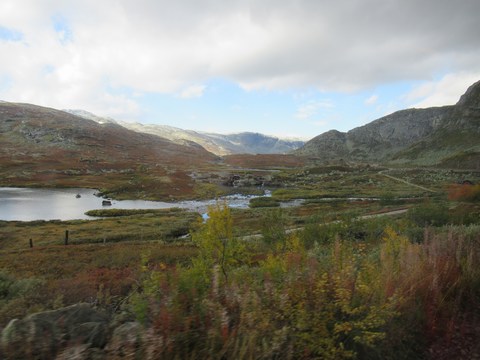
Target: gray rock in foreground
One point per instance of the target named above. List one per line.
(46, 334)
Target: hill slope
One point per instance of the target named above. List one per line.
(219, 144)
(455, 142)
(445, 136)
(379, 139)
(43, 146)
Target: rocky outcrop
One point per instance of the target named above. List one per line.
(440, 136)
(330, 144)
(45, 335)
(454, 143)
(126, 341)
(77, 332)
(379, 139)
(466, 113)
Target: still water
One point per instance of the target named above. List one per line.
(28, 204)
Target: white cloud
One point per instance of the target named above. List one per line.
(160, 46)
(320, 123)
(193, 91)
(445, 91)
(311, 108)
(371, 100)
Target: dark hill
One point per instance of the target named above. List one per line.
(47, 147)
(442, 136)
(455, 142)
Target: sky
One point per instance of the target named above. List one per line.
(290, 68)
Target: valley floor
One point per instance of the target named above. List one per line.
(331, 278)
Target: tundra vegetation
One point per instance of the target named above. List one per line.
(372, 265)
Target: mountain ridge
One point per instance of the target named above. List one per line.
(49, 147)
(435, 136)
(378, 139)
(219, 144)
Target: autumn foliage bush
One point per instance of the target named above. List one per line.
(349, 289)
(340, 299)
(464, 192)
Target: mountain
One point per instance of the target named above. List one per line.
(455, 142)
(219, 144)
(43, 146)
(446, 136)
(89, 116)
(379, 139)
(253, 143)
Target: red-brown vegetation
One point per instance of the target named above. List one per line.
(265, 161)
(464, 192)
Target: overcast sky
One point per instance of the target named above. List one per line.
(282, 67)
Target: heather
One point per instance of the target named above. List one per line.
(326, 280)
(387, 297)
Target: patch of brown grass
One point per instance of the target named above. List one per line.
(265, 161)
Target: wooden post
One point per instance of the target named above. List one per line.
(31, 243)
(66, 237)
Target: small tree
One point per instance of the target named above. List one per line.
(216, 241)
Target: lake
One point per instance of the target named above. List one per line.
(28, 204)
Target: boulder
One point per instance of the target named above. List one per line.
(125, 342)
(42, 335)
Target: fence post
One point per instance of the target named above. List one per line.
(31, 243)
(66, 237)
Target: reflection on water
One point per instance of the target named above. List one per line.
(42, 204)
(27, 204)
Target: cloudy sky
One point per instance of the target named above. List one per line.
(292, 68)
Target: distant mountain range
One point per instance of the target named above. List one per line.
(446, 136)
(219, 144)
(46, 145)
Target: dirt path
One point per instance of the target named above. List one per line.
(406, 182)
(387, 213)
(293, 230)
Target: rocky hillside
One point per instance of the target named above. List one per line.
(43, 146)
(219, 144)
(378, 140)
(455, 142)
(434, 136)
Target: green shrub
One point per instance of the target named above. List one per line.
(429, 214)
(289, 306)
(130, 212)
(263, 202)
(390, 199)
(320, 231)
(344, 299)
(465, 214)
(274, 227)
(19, 297)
